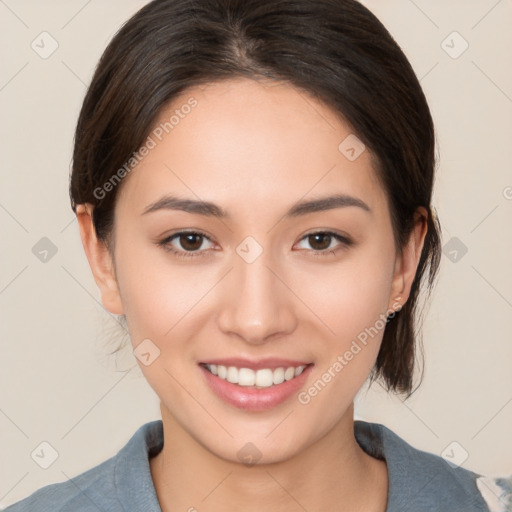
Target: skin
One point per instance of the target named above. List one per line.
(282, 146)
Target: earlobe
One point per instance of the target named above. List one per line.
(407, 261)
(100, 261)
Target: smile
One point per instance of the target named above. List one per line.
(262, 378)
(255, 389)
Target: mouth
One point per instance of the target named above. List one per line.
(257, 386)
(255, 378)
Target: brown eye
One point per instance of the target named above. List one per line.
(190, 241)
(185, 244)
(321, 242)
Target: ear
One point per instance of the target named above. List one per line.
(100, 261)
(407, 260)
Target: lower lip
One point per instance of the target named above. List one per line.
(252, 399)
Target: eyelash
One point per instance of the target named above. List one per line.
(165, 243)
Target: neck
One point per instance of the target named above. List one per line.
(333, 473)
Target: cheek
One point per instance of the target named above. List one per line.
(351, 300)
(162, 303)
(159, 305)
(156, 293)
(352, 296)
(352, 305)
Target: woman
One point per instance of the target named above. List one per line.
(291, 141)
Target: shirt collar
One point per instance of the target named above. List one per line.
(132, 473)
(417, 479)
(412, 478)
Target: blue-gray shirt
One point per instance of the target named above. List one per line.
(418, 481)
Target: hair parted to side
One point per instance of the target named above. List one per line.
(335, 50)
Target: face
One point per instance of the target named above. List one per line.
(261, 283)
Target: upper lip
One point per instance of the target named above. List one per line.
(270, 362)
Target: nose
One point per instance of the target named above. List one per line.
(256, 302)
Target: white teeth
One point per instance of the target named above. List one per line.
(289, 373)
(232, 375)
(222, 371)
(246, 377)
(262, 378)
(278, 376)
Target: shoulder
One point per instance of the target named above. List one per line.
(123, 479)
(422, 481)
(92, 490)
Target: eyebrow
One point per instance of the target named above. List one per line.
(206, 208)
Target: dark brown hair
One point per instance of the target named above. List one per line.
(335, 50)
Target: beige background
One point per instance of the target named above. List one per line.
(58, 383)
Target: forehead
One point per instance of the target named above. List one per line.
(260, 144)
